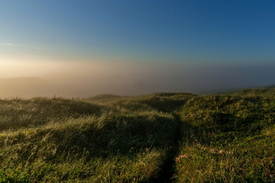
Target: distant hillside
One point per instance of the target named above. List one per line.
(236, 90)
(270, 86)
(31, 86)
(22, 80)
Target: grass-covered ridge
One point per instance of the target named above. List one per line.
(162, 137)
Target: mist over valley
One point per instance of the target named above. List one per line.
(85, 80)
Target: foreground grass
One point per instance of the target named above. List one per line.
(118, 145)
(227, 139)
(162, 137)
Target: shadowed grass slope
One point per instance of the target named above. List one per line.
(120, 145)
(17, 113)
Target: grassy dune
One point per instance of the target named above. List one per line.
(162, 137)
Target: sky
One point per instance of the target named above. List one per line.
(139, 46)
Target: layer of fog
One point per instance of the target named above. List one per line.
(88, 79)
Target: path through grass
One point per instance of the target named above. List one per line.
(162, 137)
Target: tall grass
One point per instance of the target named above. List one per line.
(117, 145)
(229, 139)
(162, 137)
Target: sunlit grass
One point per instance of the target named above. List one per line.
(176, 137)
(229, 139)
(117, 145)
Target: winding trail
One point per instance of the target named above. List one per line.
(167, 168)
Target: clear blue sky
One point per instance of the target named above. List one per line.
(235, 31)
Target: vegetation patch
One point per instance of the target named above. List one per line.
(162, 137)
